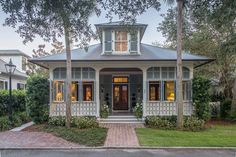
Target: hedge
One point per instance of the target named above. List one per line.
(18, 101)
(37, 91)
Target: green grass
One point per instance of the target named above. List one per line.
(87, 137)
(217, 136)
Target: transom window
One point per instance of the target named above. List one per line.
(120, 79)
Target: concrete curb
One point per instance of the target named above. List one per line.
(107, 148)
(20, 128)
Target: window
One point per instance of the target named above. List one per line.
(169, 90)
(2, 85)
(76, 73)
(58, 91)
(59, 73)
(87, 91)
(121, 41)
(120, 79)
(187, 90)
(108, 40)
(154, 90)
(20, 86)
(168, 72)
(186, 73)
(153, 73)
(74, 91)
(88, 73)
(133, 42)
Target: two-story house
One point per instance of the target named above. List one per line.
(120, 72)
(19, 76)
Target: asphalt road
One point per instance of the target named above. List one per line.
(119, 153)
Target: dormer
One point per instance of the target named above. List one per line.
(119, 38)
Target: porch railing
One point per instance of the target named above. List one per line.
(167, 108)
(77, 109)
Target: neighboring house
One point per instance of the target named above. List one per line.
(19, 77)
(120, 72)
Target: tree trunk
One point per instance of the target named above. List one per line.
(233, 106)
(179, 88)
(68, 78)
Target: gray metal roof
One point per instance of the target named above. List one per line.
(121, 24)
(16, 73)
(148, 53)
(13, 52)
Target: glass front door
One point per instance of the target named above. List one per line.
(120, 97)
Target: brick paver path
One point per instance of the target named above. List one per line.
(25, 139)
(121, 135)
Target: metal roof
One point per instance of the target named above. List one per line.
(121, 24)
(13, 52)
(148, 53)
(16, 73)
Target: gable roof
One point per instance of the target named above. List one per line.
(148, 53)
(13, 52)
(16, 73)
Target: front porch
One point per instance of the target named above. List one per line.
(121, 89)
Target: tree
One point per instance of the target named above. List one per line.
(51, 19)
(58, 47)
(207, 33)
(179, 87)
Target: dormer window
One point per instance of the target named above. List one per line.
(120, 42)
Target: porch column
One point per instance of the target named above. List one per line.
(97, 92)
(144, 90)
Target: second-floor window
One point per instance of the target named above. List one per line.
(121, 42)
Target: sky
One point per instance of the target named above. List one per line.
(9, 39)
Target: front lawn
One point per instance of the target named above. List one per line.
(87, 137)
(217, 136)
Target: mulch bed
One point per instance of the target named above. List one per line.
(218, 122)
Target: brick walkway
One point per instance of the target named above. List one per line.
(121, 135)
(24, 139)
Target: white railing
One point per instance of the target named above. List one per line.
(167, 108)
(77, 109)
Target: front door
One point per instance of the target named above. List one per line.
(120, 97)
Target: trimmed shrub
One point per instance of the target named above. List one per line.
(104, 113)
(57, 121)
(85, 122)
(18, 101)
(4, 123)
(37, 98)
(201, 97)
(16, 120)
(23, 116)
(138, 110)
(160, 122)
(193, 124)
(225, 108)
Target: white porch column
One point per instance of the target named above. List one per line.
(144, 91)
(97, 91)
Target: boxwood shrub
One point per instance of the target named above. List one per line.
(169, 122)
(193, 124)
(83, 122)
(5, 123)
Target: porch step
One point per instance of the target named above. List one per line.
(120, 119)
